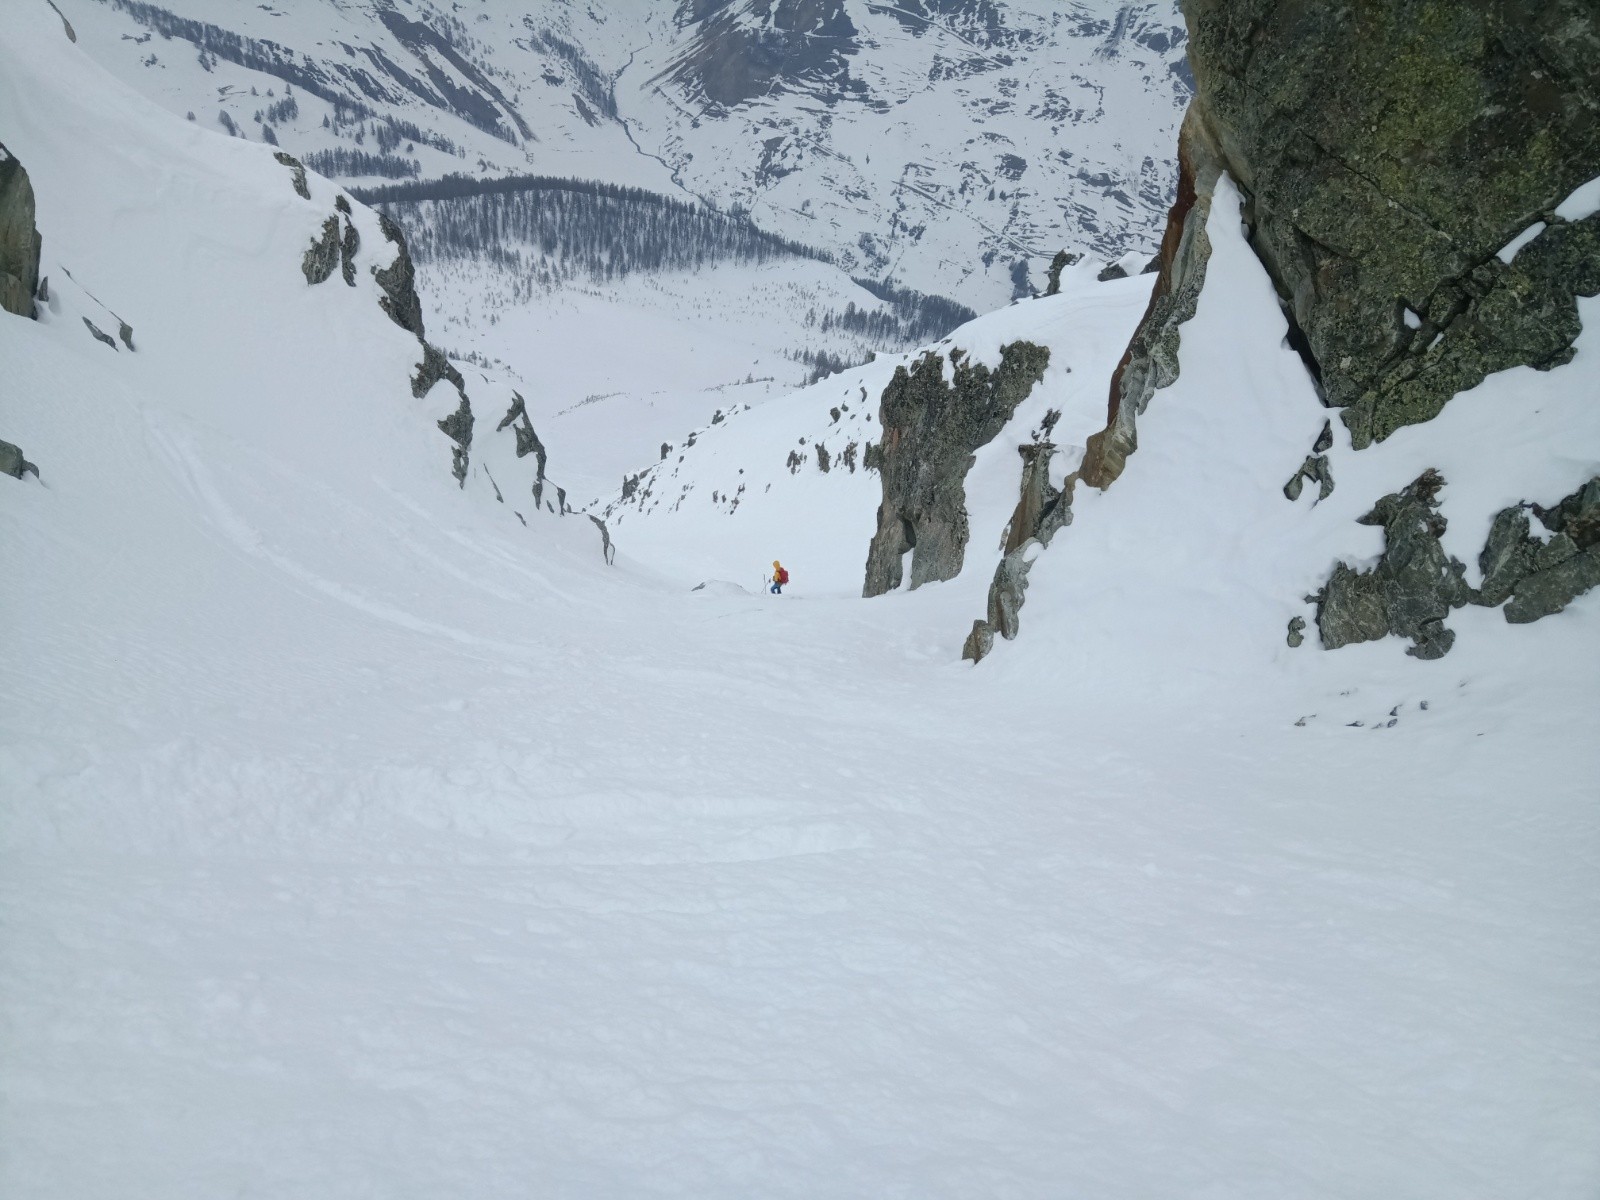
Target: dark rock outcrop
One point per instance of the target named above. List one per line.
(931, 429)
(1541, 577)
(1413, 587)
(323, 254)
(14, 463)
(398, 281)
(1315, 470)
(20, 243)
(1058, 264)
(458, 428)
(1387, 153)
(1415, 584)
(434, 367)
(349, 244)
(527, 441)
(607, 550)
(298, 172)
(99, 335)
(1042, 511)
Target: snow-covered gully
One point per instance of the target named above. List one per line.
(358, 839)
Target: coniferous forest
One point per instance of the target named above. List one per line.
(544, 230)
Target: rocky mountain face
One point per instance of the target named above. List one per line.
(1390, 152)
(1404, 169)
(19, 238)
(19, 272)
(931, 427)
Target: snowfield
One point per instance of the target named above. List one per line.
(359, 839)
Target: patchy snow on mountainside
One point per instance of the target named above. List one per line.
(954, 146)
(358, 838)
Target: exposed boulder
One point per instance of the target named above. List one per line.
(1415, 584)
(1388, 152)
(20, 243)
(14, 463)
(1315, 470)
(931, 429)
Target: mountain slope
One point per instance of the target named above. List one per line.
(357, 839)
(939, 144)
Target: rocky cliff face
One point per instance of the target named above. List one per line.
(931, 427)
(1402, 165)
(19, 239)
(1390, 151)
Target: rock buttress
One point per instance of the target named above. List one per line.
(931, 429)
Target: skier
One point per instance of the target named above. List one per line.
(779, 577)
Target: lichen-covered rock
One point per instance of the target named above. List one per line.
(20, 243)
(398, 281)
(1297, 632)
(1315, 470)
(323, 255)
(1388, 151)
(298, 173)
(1413, 587)
(930, 430)
(14, 463)
(1541, 577)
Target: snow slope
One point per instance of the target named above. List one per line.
(359, 840)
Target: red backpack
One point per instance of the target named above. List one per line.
(783, 575)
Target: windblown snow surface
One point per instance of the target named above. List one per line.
(360, 841)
